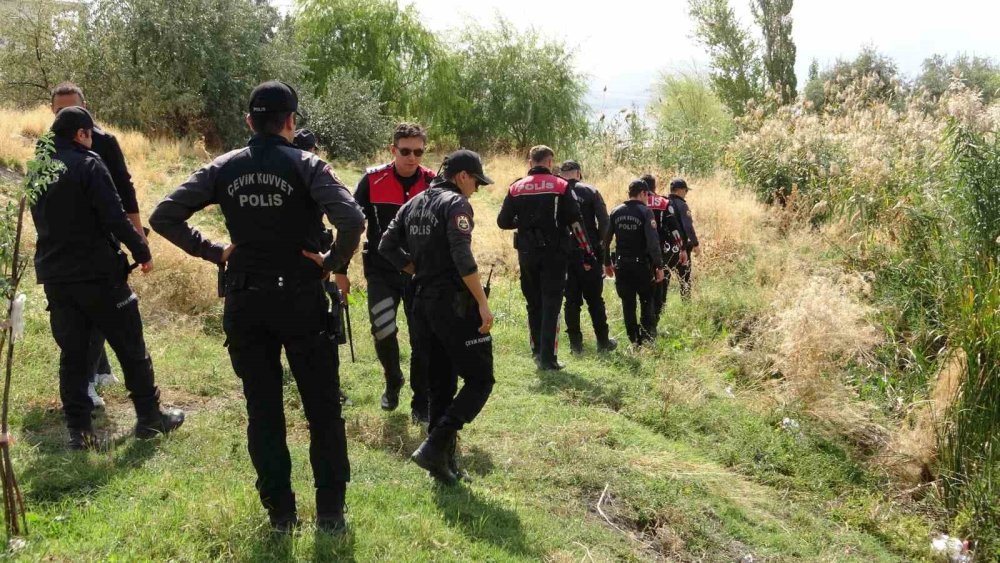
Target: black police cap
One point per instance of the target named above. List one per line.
(569, 166)
(70, 119)
(464, 160)
(273, 96)
(678, 183)
(305, 140)
(636, 187)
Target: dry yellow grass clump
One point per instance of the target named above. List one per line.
(178, 283)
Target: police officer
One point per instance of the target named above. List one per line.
(305, 140)
(580, 283)
(544, 213)
(679, 191)
(380, 193)
(273, 197)
(668, 229)
(78, 259)
(431, 238)
(638, 263)
(106, 146)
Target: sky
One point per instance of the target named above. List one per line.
(625, 44)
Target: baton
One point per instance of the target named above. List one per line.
(350, 335)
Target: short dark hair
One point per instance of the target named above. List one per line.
(270, 123)
(538, 153)
(650, 181)
(409, 131)
(65, 89)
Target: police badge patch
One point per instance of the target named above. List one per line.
(653, 221)
(464, 223)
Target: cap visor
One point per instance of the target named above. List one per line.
(483, 179)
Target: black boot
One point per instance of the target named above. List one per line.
(576, 343)
(330, 508)
(81, 439)
(606, 345)
(419, 418)
(453, 461)
(550, 365)
(158, 422)
(281, 512)
(390, 399)
(434, 454)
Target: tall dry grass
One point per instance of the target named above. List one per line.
(179, 284)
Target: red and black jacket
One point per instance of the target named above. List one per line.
(381, 192)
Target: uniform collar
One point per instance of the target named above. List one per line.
(267, 139)
(400, 176)
(61, 143)
(631, 201)
(677, 196)
(440, 182)
(539, 170)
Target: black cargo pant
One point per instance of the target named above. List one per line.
(543, 281)
(76, 311)
(586, 285)
(97, 356)
(634, 279)
(684, 273)
(262, 316)
(386, 289)
(447, 321)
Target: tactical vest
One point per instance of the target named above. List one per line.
(384, 187)
(667, 225)
(628, 222)
(537, 196)
(270, 214)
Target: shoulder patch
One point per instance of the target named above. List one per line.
(463, 223)
(653, 221)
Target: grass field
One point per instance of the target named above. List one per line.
(680, 452)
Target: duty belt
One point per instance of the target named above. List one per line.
(631, 259)
(242, 280)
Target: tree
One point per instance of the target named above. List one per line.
(373, 40)
(775, 21)
(37, 50)
(978, 73)
(507, 89)
(180, 67)
(693, 126)
(737, 72)
(873, 74)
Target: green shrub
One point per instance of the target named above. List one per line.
(347, 119)
(692, 124)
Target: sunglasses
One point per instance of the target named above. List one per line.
(406, 152)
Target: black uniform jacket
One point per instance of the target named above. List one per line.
(273, 196)
(434, 232)
(80, 222)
